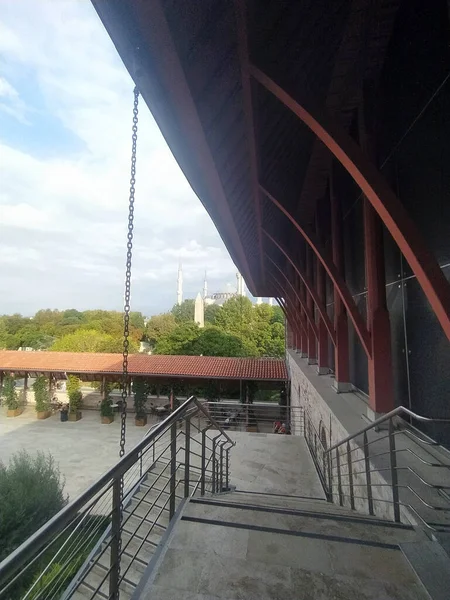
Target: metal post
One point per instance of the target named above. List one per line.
(203, 465)
(173, 467)
(330, 480)
(394, 474)
(140, 464)
(221, 467)
(338, 467)
(213, 463)
(368, 475)
(227, 483)
(187, 454)
(350, 476)
(115, 542)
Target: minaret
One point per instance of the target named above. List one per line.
(270, 301)
(258, 300)
(205, 288)
(180, 285)
(239, 285)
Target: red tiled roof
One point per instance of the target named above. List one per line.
(141, 364)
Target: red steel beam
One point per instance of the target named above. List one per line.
(308, 313)
(371, 182)
(244, 61)
(345, 294)
(309, 287)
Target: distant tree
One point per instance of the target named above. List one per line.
(159, 326)
(212, 341)
(211, 311)
(179, 340)
(236, 316)
(89, 340)
(278, 315)
(184, 312)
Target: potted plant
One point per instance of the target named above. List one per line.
(140, 389)
(9, 393)
(41, 397)
(75, 398)
(106, 410)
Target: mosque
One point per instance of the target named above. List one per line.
(203, 299)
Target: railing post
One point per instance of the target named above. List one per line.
(115, 542)
(338, 468)
(368, 475)
(330, 481)
(350, 476)
(227, 468)
(221, 468)
(140, 464)
(213, 465)
(187, 454)
(173, 467)
(394, 474)
(203, 464)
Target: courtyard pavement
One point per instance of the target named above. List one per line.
(83, 450)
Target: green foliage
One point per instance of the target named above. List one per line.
(48, 326)
(31, 492)
(159, 326)
(74, 392)
(105, 405)
(211, 311)
(184, 312)
(41, 394)
(9, 393)
(141, 392)
(212, 341)
(178, 340)
(90, 340)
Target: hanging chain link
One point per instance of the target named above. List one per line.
(126, 310)
(126, 316)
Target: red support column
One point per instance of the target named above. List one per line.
(381, 392)
(379, 364)
(341, 350)
(312, 349)
(322, 342)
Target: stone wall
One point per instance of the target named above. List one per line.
(335, 416)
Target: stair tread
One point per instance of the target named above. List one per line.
(337, 525)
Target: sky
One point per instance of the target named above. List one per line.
(66, 105)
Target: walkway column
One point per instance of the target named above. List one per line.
(322, 350)
(381, 389)
(341, 350)
(25, 389)
(312, 352)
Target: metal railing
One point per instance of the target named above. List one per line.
(376, 470)
(95, 543)
(260, 417)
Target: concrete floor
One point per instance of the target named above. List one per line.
(276, 464)
(224, 548)
(83, 450)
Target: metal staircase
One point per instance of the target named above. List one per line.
(98, 547)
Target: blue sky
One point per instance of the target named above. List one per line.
(65, 119)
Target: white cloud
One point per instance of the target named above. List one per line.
(66, 210)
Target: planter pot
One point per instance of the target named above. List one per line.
(140, 421)
(107, 420)
(43, 414)
(75, 416)
(14, 412)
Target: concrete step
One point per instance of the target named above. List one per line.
(314, 523)
(94, 579)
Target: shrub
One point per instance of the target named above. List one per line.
(141, 390)
(40, 387)
(105, 405)
(9, 393)
(74, 393)
(31, 492)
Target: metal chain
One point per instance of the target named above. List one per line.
(126, 310)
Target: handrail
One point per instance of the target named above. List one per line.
(10, 565)
(393, 413)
